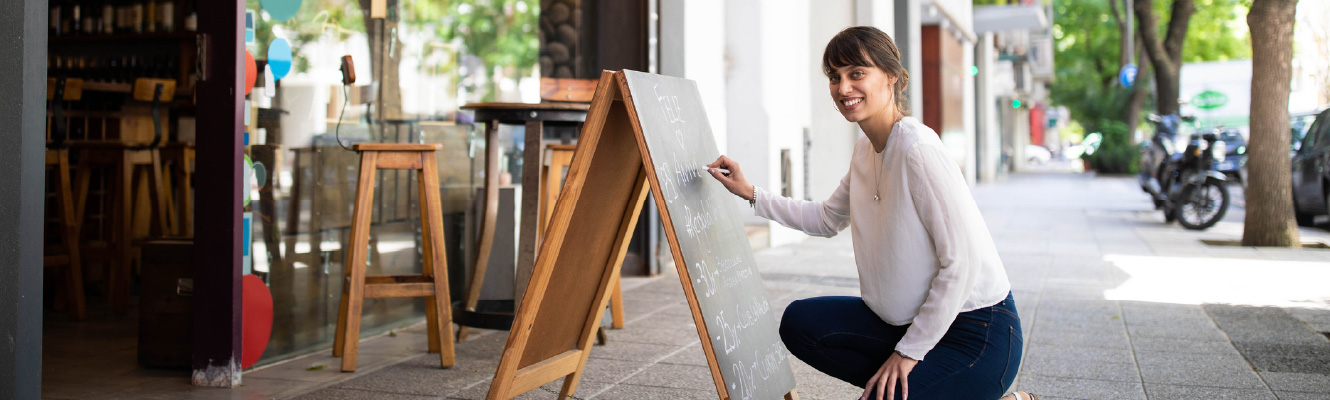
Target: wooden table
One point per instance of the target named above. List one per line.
(535, 117)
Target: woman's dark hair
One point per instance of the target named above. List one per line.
(866, 46)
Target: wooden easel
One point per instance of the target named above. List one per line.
(567, 294)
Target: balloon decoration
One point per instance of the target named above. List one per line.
(251, 72)
(281, 10)
(256, 324)
(279, 58)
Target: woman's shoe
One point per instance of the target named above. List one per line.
(1020, 396)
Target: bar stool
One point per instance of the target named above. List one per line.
(133, 165)
(431, 284)
(57, 158)
(131, 168)
(178, 159)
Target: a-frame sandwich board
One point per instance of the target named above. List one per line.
(589, 233)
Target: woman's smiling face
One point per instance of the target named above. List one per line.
(861, 92)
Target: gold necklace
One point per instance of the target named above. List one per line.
(877, 175)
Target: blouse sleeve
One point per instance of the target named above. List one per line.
(942, 198)
(815, 218)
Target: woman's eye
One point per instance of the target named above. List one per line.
(857, 74)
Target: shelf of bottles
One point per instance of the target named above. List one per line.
(108, 44)
(121, 19)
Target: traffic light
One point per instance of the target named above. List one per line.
(1015, 103)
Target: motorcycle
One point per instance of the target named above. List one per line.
(1187, 186)
(1156, 152)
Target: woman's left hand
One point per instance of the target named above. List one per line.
(897, 368)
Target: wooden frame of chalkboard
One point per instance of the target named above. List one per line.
(606, 186)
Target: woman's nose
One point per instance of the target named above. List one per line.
(843, 88)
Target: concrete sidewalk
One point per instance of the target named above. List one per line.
(1115, 305)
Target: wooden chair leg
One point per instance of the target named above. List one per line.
(616, 304)
(120, 272)
(435, 262)
(157, 195)
(355, 261)
(74, 274)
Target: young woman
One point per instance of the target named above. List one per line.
(937, 319)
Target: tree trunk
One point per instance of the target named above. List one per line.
(1165, 55)
(1270, 194)
(385, 61)
(1136, 100)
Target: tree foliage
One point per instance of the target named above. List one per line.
(498, 33)
(1087, 47)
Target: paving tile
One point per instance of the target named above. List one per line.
(1295, 382)
(1165, 345)
(1282, 357)
(1072, 368)
(621, 350)
(350, 394)
(1176, 374)
(1100, 340)
(1054, 387)
(1264, 325)
(1169, 332)
(1191, 360)
(654, 392)
(423, 376)
(1158, 391)
(673, 376)
(1300, 395)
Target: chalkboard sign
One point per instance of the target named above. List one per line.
(644, 131)
(707, 231)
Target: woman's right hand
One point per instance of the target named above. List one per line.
(734, 182)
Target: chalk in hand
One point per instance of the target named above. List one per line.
(722, 171)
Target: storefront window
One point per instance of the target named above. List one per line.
(414, 67)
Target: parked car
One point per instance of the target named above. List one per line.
(1311, 174)
(1236, 158)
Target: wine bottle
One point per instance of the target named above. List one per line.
(136, 16)
(54, 15)
(108, 17)
(166, 11)
(70, 25)
(150, 15)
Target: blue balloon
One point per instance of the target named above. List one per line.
(281, 10)
(279, 58)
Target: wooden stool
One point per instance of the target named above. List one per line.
(431, 284)
(69, 234)
(178, 158)
(131, 167)
(58, 91)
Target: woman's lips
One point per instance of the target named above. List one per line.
(851, 103)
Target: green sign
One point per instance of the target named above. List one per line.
(1209, 100)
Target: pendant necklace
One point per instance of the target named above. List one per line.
(877, 175)
(877, 185)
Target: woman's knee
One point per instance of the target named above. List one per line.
(796, 320)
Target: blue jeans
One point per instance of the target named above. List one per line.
(976, 359)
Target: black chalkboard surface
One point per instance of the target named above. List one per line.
(710, 237)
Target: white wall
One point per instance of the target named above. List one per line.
(832, 136)
(783, 38)
(748, 120)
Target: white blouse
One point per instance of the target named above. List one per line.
(923, 250)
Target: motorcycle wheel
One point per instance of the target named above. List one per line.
(1205, 207)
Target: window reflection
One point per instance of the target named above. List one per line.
(415, 67)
